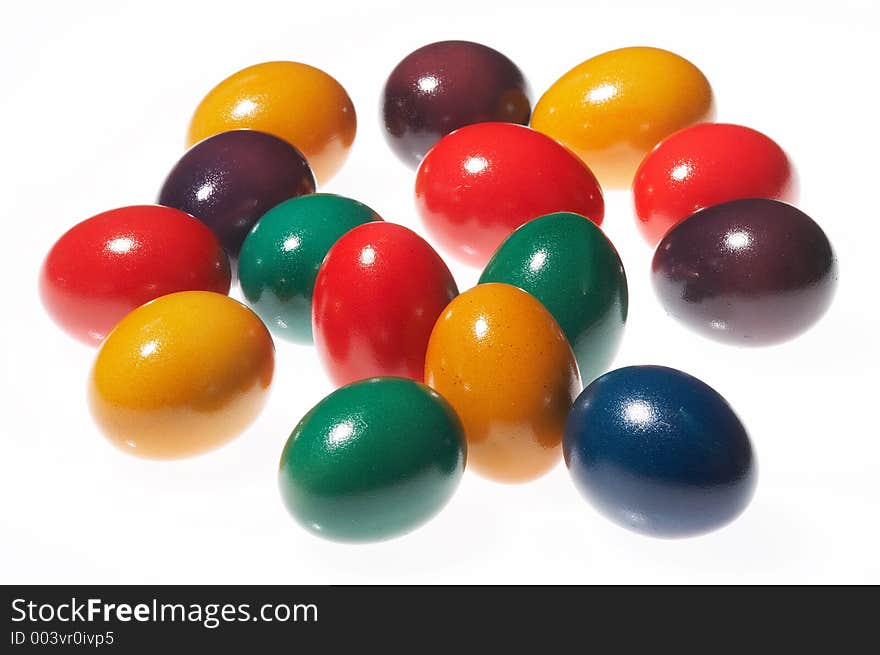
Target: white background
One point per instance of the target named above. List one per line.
(95, 102)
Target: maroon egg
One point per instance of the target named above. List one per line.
(446, 85)
(748, 272)
(231, 179)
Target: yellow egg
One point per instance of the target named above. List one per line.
(501, 360)
(296, 102)
(611, 110)
(181, 375)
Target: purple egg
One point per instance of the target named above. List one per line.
(748, 272)
(447, 85)
(231, 179)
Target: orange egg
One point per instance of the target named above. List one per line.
(296, 102)
(614, 108)
(501, 360)
(181, 375)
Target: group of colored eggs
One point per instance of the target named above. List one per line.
(432, 379)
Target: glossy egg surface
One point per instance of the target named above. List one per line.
(444, 86)
(296, 102)
(373, 460)
(281, 256)
(106, 266)
(377, 297)
(567, 262)
(612, 109)
(231, 179)
(705, 165)
(503, 363)
(659, 452)
(181, 375)
(746, 272)
(480, 183)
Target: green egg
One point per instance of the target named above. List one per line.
(281, 255)
(567, 262)
(373, 460)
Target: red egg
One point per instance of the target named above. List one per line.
(481, 182)
(377, 297)
(108, 265)
(705, 165)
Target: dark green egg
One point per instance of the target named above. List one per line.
(568, 263)
(373, 460)
(281, 255)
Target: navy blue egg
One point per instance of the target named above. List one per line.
(659, 452)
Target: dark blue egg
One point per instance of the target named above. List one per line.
(659, 452)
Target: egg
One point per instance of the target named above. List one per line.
(281, 256)
(567, 262)
(704, 165)
(748, 272)
(377, 297)
(444, 86)
(503, 363)
(112, 263)
(612, 109)
(373, 460)
(481, 182)
(181, 375)
(231, 179)
(293, 101)
(659, 452)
